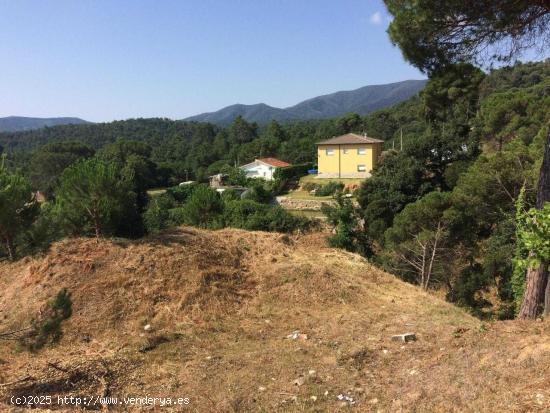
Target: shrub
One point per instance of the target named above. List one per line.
(231, 195)
(47, 328)
(180, 193)
(348, 233)
(157, 215)
(203, 208)
(279, 220)
(292, 171)
(311, 186)
(258, 192)
(238, 212)
(235, 176)
(330, 188)
(253, 216)
(43, 231)
(18, 208)
(176, 216)
(287, 177)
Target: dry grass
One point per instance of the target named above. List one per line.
(221, 305)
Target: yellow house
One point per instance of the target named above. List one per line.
(348, 156)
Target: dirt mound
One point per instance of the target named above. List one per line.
(242, 321)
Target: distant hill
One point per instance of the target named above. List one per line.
(362, 101)
(21, 123)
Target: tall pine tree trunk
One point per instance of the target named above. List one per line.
(547, 299)
(537, 277)
(533, 298)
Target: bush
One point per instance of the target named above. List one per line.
(47, 328)
(207, 209)
(204, 208)
(238, 212)
(292, 172)
(231, 195)
(43, 231)
(258, 192)
(345, 219)
(253, 216)
(180, 193)
(235, 176)
(279, 220)
(330, 188)
(157, 216)
(176, 216)
(311, 186)
(286, 178)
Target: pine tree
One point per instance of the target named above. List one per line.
(18, 207)
(94, 196)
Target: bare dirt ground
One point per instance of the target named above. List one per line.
(250, 321)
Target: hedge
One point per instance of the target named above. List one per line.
(293, 171)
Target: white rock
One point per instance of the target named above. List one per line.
(147, 327)
(405, 337)
(262, 388)
(299, 381)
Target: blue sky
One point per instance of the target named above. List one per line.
(115, 59)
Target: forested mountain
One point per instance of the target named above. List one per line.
(456, 159)
(21, 123)
(361, 101)
(192, 149)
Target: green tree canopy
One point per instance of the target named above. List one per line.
(49, 161)
(93, 196)
(433, 33)
(18, 208)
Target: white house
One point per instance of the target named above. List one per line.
(263, 168)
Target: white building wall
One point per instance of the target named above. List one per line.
(259, 170)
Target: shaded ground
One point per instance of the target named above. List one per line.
(221, 306)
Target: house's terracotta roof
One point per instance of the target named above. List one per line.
(349, 138)
(273, 162)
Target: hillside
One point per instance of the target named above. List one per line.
(21, 123)
(362, 101)
(221, 307)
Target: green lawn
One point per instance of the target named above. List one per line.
(306, 195)
(307, 213)
(156, 191)
(312, 178)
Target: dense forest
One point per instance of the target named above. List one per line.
(441, 209)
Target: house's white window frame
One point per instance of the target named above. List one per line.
(329, 152)
(361, 151)
(361, 168)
